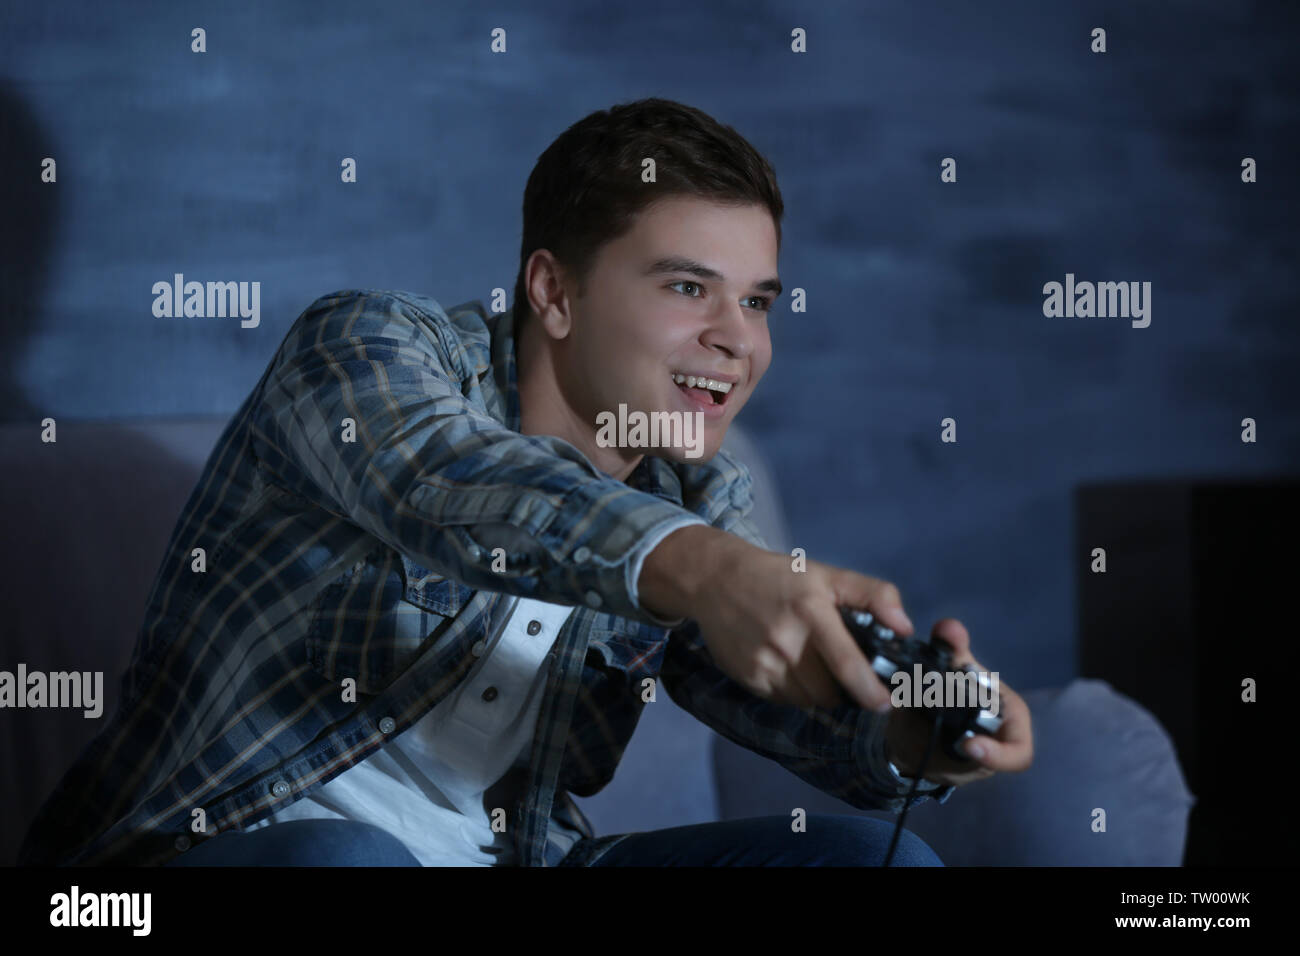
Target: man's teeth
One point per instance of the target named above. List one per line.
(692, 381)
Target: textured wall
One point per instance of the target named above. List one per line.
(924, 298)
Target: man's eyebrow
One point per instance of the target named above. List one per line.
(683, 264)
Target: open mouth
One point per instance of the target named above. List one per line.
(707, 390)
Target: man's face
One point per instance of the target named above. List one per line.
(647, 319)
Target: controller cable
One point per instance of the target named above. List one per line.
(916, 780)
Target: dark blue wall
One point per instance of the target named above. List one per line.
(925, 298)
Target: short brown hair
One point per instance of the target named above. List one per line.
(586, 188)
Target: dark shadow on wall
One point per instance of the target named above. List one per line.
(27, 232)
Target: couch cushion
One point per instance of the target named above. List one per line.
(1093, 747)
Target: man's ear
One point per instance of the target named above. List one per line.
(556, 322)
(544, 281)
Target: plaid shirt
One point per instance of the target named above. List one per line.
(348, 520)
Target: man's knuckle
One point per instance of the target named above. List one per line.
(804, 603)
(888, 594)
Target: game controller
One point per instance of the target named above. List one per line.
(887, 652)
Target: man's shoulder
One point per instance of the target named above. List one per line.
(379, 303)
(457, 330)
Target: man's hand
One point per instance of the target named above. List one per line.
(776, 632)
(1012, 748)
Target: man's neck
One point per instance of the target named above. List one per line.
(543, 410)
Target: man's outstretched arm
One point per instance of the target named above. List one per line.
(836, 745)
(434, 476)
(760, 659)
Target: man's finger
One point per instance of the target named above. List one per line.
(810, 673)
(782, 688)
(1014, 751)
(819, 688)
(879, 597)
(845, 661)
(954, 632)
(993, 754)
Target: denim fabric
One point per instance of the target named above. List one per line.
(303, 843)
(828, 840)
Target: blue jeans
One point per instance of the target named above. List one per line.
(830, 840)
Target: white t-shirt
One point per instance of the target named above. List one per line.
(434, 785)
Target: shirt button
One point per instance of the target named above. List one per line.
(534, 627)
(387, 725)
(182, 842)
(593, 599)
(582, 554)
(477, 649)
(490, 694)
(475, 552)
(280, 788)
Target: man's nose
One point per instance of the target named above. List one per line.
(730, 333)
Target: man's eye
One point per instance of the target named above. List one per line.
(764, 303)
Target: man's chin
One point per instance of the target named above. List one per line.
(706, 450)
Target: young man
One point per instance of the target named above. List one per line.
(413, 600)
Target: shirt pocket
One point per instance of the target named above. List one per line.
(627, 648)
(372, 621)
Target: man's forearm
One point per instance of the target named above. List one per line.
(677, 571)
